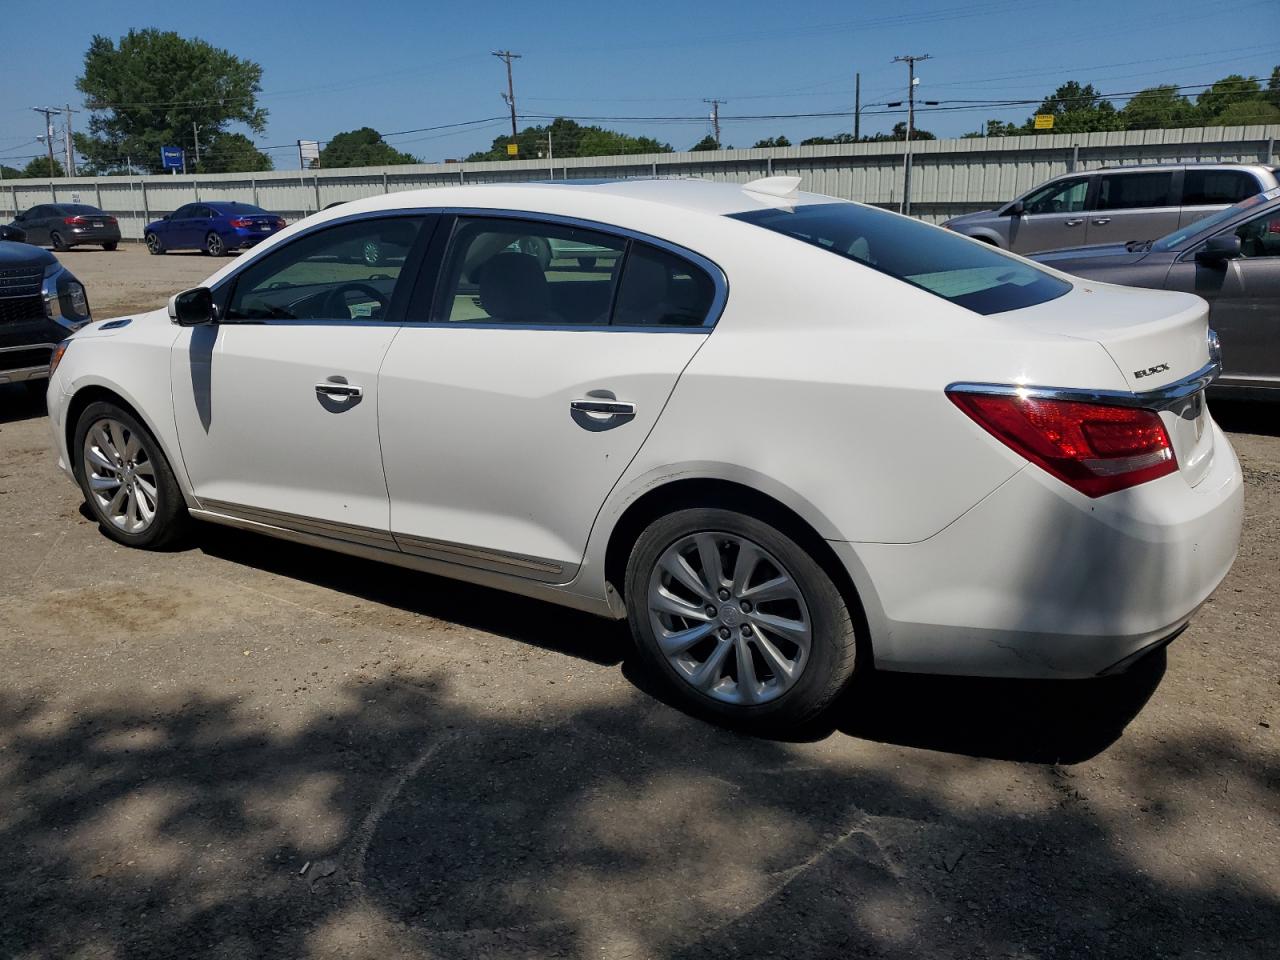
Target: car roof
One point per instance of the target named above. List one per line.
(1159, 167)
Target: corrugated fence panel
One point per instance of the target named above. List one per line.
(949, 177)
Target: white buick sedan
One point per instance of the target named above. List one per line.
(786, 436)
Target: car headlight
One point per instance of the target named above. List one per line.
(65, 299)
(75, 302)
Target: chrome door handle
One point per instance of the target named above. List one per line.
(609, 408)
(1101, 220)
(1073, 223)
(339, 391)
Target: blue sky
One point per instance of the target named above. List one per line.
(397, 65)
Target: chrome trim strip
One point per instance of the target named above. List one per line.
(1160, 398)
(23, 374)
(30, 346)
(368, 536)
(460, 553)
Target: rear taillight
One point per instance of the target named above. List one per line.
(241, 222)
(1093, 447)
(73, 221)
(281, 223)
(110, 219)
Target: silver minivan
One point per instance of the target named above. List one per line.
(1114, 205)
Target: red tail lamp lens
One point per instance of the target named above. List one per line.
(1094, 448)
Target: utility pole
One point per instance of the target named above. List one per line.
(857, 107)
(48, 131)
(551, 157)
(71, 149)
(910, 61)
(195, 132)
(715, 118)
(510, 96)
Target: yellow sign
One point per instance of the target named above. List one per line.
(1044, 121)
(513, 149)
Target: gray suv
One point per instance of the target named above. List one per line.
(1114, 205)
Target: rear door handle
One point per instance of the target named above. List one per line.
(609, 408)
(1101, 220)
(339, 391)
(1073, 223)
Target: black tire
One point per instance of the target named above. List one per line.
(833, 647)
(155, 246)
(59, 244)
(214, 245)
(110, 245)
(171, 520)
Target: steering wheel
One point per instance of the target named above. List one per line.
(335, 301)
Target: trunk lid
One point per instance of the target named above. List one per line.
(1156, 338)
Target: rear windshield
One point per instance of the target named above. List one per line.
(78, 208)
(248, 208)
(950, 266)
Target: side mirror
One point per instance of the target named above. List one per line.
(192, 308)
(1015, 209)
(19, 217)
(16, 234)
(166, 216)
(1218, 250)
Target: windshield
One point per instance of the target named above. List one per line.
(1173, 240)
(966, 272)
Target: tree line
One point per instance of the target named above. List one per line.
(154, 89)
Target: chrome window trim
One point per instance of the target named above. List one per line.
(30, 346)
(1161, 398)
(713, 269)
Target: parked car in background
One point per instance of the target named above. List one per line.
(783, 434)
(41, 304)
(215, 226)
(1114, 204)
(66, 225)
(1232, 259)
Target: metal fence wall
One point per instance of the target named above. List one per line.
(949, 177)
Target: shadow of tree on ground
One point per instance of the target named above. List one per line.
(436, 827)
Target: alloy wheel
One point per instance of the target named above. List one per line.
(729, 618)
(121, 476)
(153, 243)
(214, 245)
(372, 252)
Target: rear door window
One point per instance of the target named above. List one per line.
(1135, 191)
(965, 272)
(660, 289)
(1202, 188)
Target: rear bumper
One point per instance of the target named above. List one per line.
(1037, 581)
(239, 238)
(76, 235)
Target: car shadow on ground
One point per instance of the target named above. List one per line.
(1029, 721)
(22, 401)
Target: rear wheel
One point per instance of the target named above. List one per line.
(740, 620)
(214, 245)
(110, 245)
(126, 480)
(154, 246)
(59, 244)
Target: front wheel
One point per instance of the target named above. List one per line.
(214, 245)
(740, 620)
(154, 246)
(126, 480)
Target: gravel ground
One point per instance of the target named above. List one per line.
(250, 749)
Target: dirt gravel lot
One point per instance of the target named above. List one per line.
(250, 749)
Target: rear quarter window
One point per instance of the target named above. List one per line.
(963, 271)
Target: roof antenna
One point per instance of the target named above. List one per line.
(774, 186)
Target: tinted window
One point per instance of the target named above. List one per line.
(659, 288)
(1063, 196)
(966, 272)
(1180, 236)
(328, 275)
(1205, 187)
(1260, 237)
(183, 213)
(1134, 191)
(80, 208)
(525, 271)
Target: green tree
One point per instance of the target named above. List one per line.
(362, 148)
(38, 168)
(995, 128)
(1245, 112)
(1158, 107)
(10, 173)
(233, 153)
(773, 142)
(706, 143)
(147, 91)
(569, 139)
(1077, 108)
(1273, 88)
(1227, 92)
(834, 138)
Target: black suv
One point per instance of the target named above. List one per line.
(41, 303)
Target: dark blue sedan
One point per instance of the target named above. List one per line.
(214, 226)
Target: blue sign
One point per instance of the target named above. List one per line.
(171, 158)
